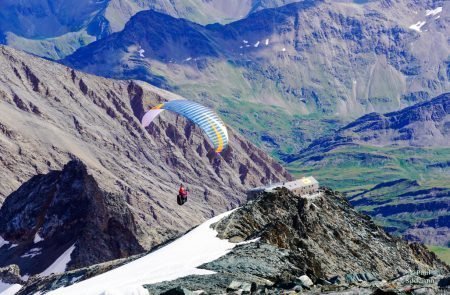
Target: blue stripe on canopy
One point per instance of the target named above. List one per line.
(204, 117)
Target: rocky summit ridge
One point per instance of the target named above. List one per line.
(294, 244)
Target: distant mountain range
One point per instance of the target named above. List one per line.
(276, 71)
(54, 29)
(353, 92)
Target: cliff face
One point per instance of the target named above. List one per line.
(325, 236)
(51, 114)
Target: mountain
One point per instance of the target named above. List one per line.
(51, 115)
(286, 75)
(277, 243)
(54, 29)
(393, 166)
(425, 125)
(412, 142)
(63, 220)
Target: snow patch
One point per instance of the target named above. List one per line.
(248, 242)
(13, 245)
(256, 44)
(245, 41)
(141, 52)
(9, 289)
(37, 238)
(417, 26)
(188, 59)
(267, 42)
(3, 242)
(32, 252)
(433, 11)
(178, 259)
(284, 49)
(437, 17)
(60, 264)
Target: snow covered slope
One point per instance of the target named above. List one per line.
(9, 289)
(178, 259)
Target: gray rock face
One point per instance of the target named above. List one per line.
(50, 114)
(326, 235)
(50, 213)
(10, 274)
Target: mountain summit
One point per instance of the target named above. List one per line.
(277, 243)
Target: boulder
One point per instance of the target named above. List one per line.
(242, 287)
(306, 281)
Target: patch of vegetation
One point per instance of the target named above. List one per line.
(442, 252)
(353, 169)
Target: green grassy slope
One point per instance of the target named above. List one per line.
(442, 252)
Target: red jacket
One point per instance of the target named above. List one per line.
(182, 192)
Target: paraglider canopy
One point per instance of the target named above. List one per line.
(204, 117)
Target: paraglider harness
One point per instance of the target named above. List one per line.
(182, 198)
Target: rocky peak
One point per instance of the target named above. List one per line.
(51, 213)
(423, 124)
(325, 236)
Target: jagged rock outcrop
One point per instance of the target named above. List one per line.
(50, 115)
(327, 235)
(62, 209)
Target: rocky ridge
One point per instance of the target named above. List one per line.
(307, 245)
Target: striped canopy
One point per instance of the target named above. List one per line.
(204, 117)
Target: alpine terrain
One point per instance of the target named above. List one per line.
(224, 147)
(79, 171)
(278, 243)
(393, 166)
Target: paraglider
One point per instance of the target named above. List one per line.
(204, 117)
